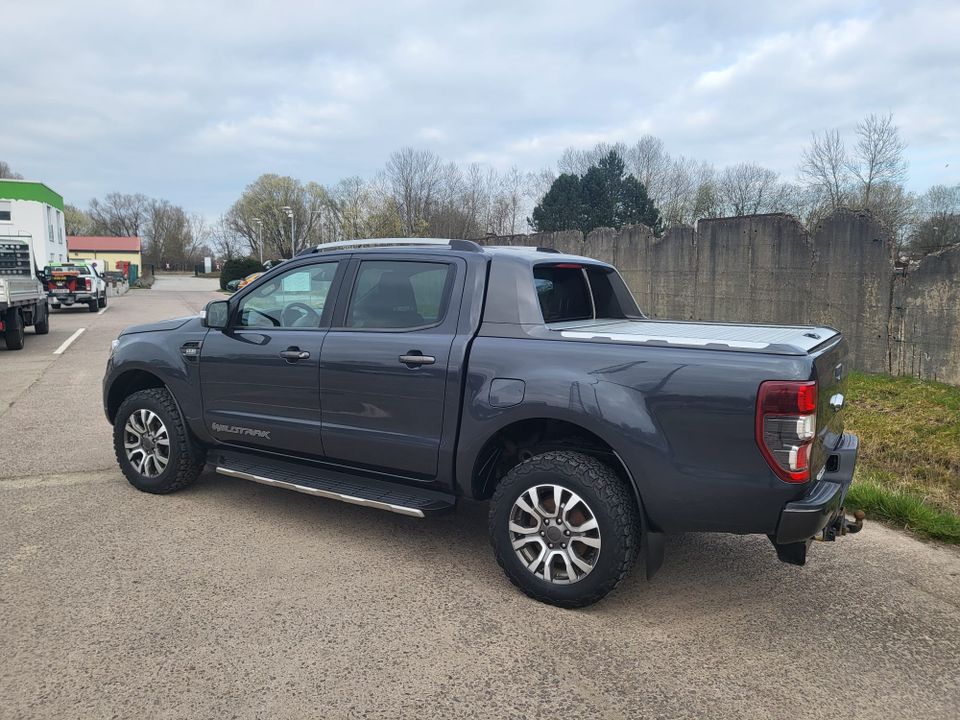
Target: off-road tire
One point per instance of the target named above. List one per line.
(185, 463)
(613, 504)
(92, 304)
(102, 301)
(41, 323)
(13, 329)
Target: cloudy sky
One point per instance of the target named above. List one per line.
(191, 101)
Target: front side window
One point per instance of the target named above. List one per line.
(393, 294)
(294, 299)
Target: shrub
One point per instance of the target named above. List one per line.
(238, 268)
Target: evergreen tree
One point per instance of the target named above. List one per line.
(561, 206)
(604, 196)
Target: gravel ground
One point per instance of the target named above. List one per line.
(238, 600)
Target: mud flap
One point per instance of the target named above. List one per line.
(794, 553)
(652, 543)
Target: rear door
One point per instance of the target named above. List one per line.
(383, 368)
(260, 377)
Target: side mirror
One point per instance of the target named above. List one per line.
(216, 314)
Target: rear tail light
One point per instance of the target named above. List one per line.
(787, 426)
(89, 284)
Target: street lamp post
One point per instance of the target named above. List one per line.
(293, 232)
(259, 223)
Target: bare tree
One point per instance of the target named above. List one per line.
(413, 179)
(7, 173)
(649, 161)
(825, 167)
(510, 199)
(937, 222)
(575, 161)
(120, 215)
(879, 155)
(77, 221)
(225, 242)
(686, 192)
(747, 189)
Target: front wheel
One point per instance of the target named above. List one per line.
(565, 528)
(152, 444)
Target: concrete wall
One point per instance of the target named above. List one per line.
(768, 268)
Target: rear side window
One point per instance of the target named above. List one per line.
(393, 294)
(563, 293)
(568, 292)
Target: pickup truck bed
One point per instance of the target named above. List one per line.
(404, 378)
(776, 339)
(22, 300)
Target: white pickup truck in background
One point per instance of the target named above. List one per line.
(23, 300)
(77, 282)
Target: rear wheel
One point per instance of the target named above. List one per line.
(92, 304)
(565, 528)
(41, 323)
(151, 443)
(102, 302)
(13, 332)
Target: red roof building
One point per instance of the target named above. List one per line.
(111, 253)
(82, 243)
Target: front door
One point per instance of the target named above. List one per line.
(260, 376)
(383, 370)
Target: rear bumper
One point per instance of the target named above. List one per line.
(804, 518)
(71, 299)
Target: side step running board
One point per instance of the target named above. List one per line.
(332, 484)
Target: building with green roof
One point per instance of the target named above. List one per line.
(32, 211)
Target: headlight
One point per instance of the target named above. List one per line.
(113, 346)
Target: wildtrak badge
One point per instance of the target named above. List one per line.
(237, 430)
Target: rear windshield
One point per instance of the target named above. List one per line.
(568, 292)
(79, 269)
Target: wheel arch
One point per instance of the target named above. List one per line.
(129, 382)
(505, 446)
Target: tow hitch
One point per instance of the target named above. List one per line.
(842, 525)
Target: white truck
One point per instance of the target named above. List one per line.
(23, 301)
(77, 282)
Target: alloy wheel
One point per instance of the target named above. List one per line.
(146, 442)
(554, 534)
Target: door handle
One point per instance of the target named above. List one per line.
(293, 354)
(415, 359)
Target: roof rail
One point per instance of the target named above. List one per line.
(549, 250)
(463, 245)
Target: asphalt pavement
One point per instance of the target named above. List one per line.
(235, 600)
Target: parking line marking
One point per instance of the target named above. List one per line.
(66, 343)
(101, 312)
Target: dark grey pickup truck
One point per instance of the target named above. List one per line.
(404, 374)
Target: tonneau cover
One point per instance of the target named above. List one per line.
(779, 339)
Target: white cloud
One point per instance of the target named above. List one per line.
(191, 101)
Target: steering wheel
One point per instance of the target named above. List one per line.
(304, 311)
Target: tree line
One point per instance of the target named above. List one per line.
(417, 193)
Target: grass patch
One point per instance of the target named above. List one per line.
(909, 465)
